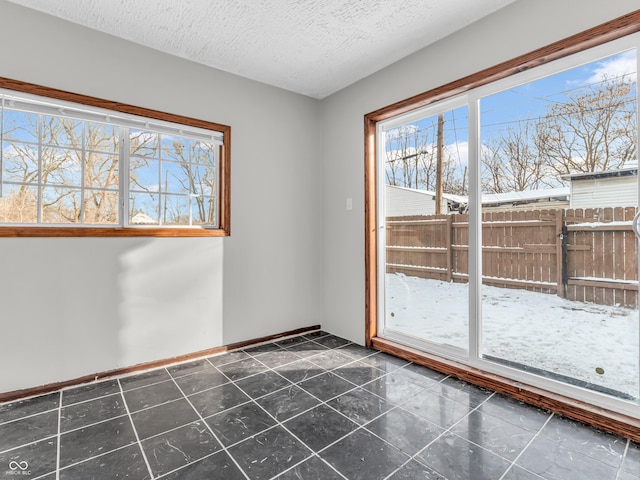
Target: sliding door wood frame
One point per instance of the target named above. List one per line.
(581, 411)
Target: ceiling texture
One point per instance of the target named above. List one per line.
(311, 47)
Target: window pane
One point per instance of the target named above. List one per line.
(61, 205)
(101, 171)
(427, 273)
(175, 177)
(101, 207)
(19, 162)
(560, 262)
(21, 126)
(144, 175)
(143, 144)
(175, 148)
(61, 167)
(175, 210)
(19, 204)
(101, 137)
(203, 211)
(64, 132)
(203, 153)
(203, 180)
(144, 209)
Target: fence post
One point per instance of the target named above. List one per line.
(449, 237)
(561, 251)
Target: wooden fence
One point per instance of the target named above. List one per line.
(587, 255)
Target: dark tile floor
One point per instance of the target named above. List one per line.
(309, 407)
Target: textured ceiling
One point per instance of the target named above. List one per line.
(312, 47)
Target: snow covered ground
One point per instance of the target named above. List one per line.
(534, 329)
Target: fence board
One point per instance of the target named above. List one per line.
(524, 250)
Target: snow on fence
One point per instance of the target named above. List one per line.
(586, 255)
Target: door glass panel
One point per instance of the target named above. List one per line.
(426, 278)
(559, 258)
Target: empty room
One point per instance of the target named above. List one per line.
(357, 240)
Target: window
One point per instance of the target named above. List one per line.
(69, 166)
(499, 224)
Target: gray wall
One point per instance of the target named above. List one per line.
(514, 30)
(71, 307)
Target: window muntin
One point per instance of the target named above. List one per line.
(64, 164)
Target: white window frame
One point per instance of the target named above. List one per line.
(472, 99)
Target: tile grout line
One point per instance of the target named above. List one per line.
(135, 430)
(624, 456)
(59, 438)
(280, 424)
(224, 448)
(444, 430)
(525, 448)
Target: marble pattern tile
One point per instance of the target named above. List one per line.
(97, 439)
(414, 470)
(556, 461)
(331, 341)
(189, 367)
(89, 392)
(299, 371)
(320, 427)
(32, 406)
(393, 389)
(436, 409)
(405, 430)
(202, 380)
(363, 456)
(238, 423)
(278, 358)
(266, 455)
(143, 379)
(500, 437)
(360, 405)
(92, 411)
(287, 403)
(631, 462)
(515, 412)
(29, 429)
(307, 349)
(228, 357)
(262, 384)
(242, 368)
(458, 459)
(218, 399)
(168, 416)
(322, 408)
(600, 445)
(177, 448)
(331, 359)
(126, 463)
(34, 460)
(358, 372)
(151, 396)
(326, 386)
(312, 469)
(217, 466)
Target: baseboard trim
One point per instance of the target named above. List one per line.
(52, 387)
(601, 418)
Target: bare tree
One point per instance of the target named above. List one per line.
(593, 131)
(511, 162)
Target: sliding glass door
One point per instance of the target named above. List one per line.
(505, 236)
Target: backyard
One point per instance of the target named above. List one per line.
(596, 344)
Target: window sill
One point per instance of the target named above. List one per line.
(112, 232)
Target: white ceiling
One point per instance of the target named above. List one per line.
(312, 47)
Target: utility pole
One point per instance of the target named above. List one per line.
(440, 164)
